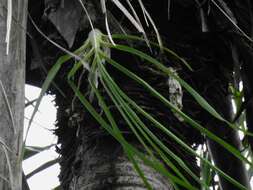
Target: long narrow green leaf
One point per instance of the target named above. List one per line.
(83, 100)
(202, 102)
(104, 124)
(125, 105)
(138, 137)
(159, 167)
(137, 168)
(121, 106)
(167, 50)
(50, 77)
(112, 121)
(138, 123)
(192, 122)
(163, 68)
(52, 73)
(91, 110)
(189, 149)
(206, 172)
(79, 64)
(147, 149)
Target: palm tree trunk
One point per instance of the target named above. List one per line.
(12, 80)
(105, 166)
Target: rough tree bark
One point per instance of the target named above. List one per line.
(105, 166)
(12, 80)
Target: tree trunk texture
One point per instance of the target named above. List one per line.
(12, 81)
(104, 166)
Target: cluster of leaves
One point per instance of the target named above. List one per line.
(93, 57)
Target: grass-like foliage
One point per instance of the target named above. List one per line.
(94, 57)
